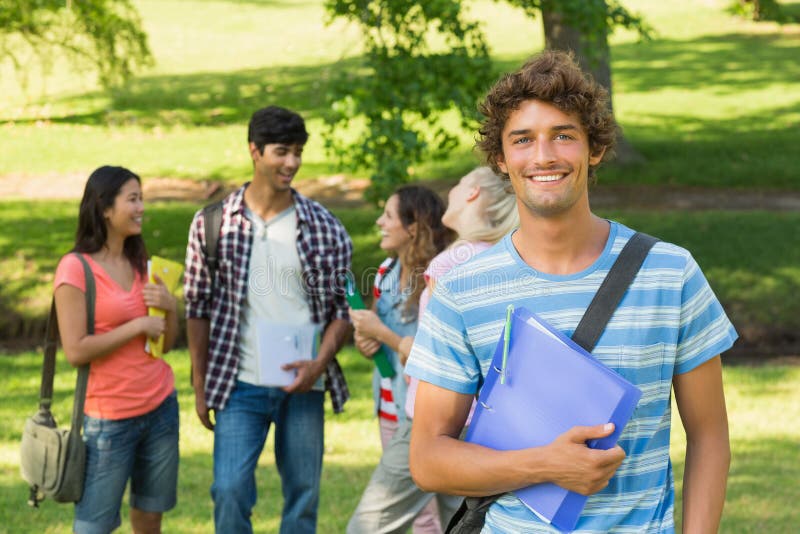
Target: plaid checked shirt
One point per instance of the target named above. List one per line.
(325, 251)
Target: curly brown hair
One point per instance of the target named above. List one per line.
(554, 77)
(418, 204)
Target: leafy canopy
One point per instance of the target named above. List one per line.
(103, 34)
(421, 60)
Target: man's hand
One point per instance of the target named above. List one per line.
(203, 412)
(197, 332)
(308, 372)
(574, 466)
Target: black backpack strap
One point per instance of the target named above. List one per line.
(471, 515)
(212, 223)
(49, 365)
(611, 291)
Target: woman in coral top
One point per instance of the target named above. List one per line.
(131, 411)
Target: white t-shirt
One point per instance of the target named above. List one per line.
(275, 290)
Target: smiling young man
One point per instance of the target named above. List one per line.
(547, 127)
(281, 261)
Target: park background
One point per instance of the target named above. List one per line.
(711, 102)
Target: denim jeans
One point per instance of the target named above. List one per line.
(239, 435)
(142, 449)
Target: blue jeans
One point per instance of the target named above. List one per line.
(143, 449)
(239, 435)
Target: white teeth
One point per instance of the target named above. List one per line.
(548, 178)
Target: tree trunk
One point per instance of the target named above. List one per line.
(561, 36)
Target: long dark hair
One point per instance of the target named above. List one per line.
(418, 204)
(102, 187)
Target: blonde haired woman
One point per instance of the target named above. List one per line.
(481, 210)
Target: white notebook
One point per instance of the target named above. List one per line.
(279, 344)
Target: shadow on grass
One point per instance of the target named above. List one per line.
(792, 10)
(686, 150)
(721, 64)
(213, 98)
(739, 256)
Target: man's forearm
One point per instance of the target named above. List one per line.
(440, 465)
(197, 331)
(700, 398)
(704, 484)
(332, 340)
(440, 462)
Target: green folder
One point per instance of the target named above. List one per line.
(380, 358)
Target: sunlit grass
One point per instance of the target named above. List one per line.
(352, 450)
(763, 412)
(763, 407)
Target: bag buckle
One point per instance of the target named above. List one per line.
(35, 497)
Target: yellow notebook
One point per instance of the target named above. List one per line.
(170, 273)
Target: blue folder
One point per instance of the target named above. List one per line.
(551, 384)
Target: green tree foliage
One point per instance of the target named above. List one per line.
(403, 85)
(103, 34)
(591, 20)
(583, 27)
(759, 10)
(421, 60)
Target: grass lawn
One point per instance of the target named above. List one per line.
(713, 100)
(762, 491)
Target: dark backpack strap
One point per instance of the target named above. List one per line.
(471, 515)
(611, 291)
(212, 223)
(49, 363)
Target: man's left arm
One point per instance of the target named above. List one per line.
(701, 403)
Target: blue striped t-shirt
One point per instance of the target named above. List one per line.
(668, 323)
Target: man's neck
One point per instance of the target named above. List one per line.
(264, 201)
(561, 245)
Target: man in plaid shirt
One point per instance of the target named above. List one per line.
(282, 260)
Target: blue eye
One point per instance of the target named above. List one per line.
(521, 140)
